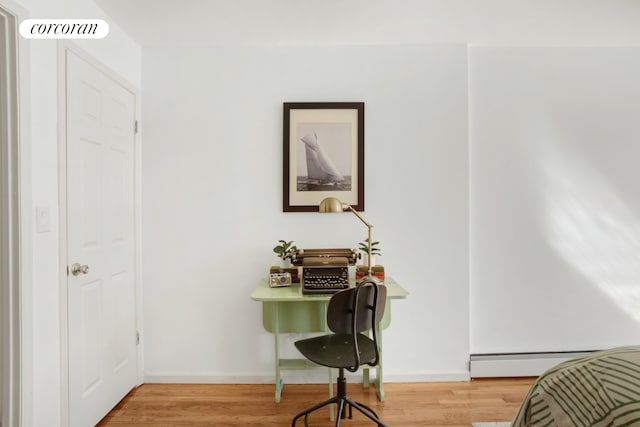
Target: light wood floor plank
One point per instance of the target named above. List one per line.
(454, 404)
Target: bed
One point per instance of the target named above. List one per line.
(600, 389)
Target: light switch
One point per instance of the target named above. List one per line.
(43, 219)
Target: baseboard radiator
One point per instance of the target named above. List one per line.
(517, 364)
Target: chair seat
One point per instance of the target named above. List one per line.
(336, 350)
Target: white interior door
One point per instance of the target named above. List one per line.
(102, 337)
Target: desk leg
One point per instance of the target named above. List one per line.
(276, 334)
(323, 322)
(379, 381)
(366, 374)
(365, 377)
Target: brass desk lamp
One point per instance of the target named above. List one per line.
(331, 204)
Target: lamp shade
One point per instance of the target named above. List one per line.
(331, 204)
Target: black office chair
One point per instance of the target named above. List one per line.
(350, 313)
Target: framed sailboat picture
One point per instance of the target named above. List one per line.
(323, 154)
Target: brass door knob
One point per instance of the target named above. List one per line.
(77, 269)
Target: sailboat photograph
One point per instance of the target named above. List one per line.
(322, 157)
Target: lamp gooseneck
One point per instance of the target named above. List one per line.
(331, 204)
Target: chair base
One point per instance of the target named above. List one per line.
(341, 399)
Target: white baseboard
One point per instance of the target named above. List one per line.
(516, 365)
(316, 376)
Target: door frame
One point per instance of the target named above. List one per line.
(15, 226)
(64, 47)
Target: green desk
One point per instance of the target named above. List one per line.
(287, 310)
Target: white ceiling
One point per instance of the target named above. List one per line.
(234, 22)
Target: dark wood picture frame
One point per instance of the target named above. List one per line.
(323, 154)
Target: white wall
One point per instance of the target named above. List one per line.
(212, 197)
(123, 55)
(555, 208)
(212, 114)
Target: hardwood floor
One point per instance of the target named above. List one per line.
(406, 404)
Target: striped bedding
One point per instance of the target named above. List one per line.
(600, 389)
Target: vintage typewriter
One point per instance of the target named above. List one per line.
(324, 271)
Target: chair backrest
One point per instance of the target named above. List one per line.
(356, 310)
(366, 301)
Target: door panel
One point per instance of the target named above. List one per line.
(100, 235)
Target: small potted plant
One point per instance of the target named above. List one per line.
(283, 249)
(375, 250)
